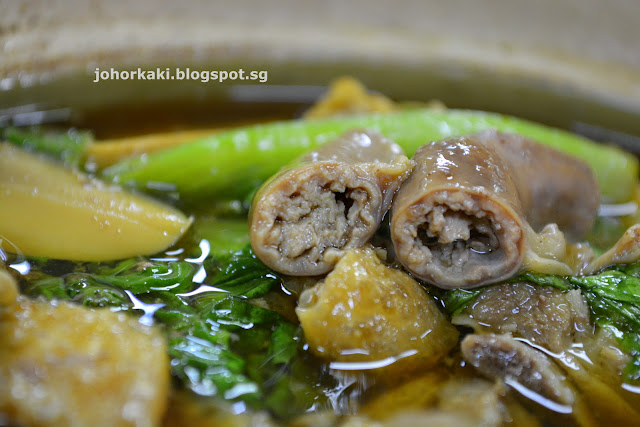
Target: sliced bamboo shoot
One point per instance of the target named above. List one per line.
(108, 152)
(47, 210)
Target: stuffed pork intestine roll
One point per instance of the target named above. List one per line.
(470, 210)
(304, 218)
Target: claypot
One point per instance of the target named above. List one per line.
(561, 62)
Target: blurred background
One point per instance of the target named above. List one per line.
(569, 63)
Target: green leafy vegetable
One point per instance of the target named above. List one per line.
(242, 351)
(614, 299)
(202, 358)
(242, 273)
(99, 286)
(557, 282)
(49, 288)
(613, 296)
(456, 300)
(220, 343)
(84, 289)
(68, 147)
(142, 277)
(223, 234)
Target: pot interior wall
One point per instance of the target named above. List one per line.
(116, 107)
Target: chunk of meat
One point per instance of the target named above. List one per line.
(546, 316)
(518, 365)
(367, 316)
(62, 364)
(304, 218)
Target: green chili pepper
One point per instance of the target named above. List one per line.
(228, 165)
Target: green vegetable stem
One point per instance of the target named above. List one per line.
(67, 147)
(228, 165)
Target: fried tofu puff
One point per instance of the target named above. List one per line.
(65, 365)
(367, 316)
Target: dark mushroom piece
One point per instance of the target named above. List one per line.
(304, 218)
(463, 217)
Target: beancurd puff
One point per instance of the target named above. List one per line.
(366, 316)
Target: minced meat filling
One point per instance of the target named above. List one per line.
(453, 237)
(317, 217)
